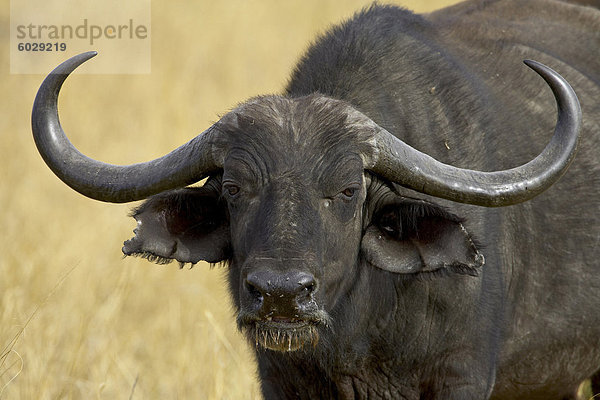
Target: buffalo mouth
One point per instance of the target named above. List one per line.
(282, 333)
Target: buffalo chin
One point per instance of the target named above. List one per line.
(283, 337)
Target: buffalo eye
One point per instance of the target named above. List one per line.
(348, 193)
(232, 189)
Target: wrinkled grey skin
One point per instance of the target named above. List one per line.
(350, 286)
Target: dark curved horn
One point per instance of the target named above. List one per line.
(407, 166)
(105, 182)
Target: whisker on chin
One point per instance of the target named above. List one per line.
(282, 339)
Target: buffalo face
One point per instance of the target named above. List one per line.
(294, 194)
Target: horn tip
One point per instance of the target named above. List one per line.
(87, 55)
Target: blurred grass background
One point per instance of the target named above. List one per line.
(77, 321)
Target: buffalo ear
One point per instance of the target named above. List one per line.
(187, 225)
(413, 236)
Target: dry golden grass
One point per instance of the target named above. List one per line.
(77, 321)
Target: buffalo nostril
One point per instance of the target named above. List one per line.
(306, 282)
(306, 287)
(311, 287)
(254, 290)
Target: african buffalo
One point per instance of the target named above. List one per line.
(392, 225)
